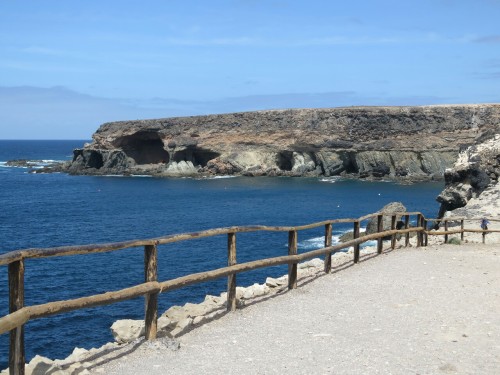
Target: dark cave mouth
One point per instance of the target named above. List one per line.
(144, 148)
(197, 156)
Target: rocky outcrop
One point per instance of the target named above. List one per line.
(477, 169)
(369, 142)
(387, 210)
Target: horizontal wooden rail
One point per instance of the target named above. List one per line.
(459, 231)
(25, 314)
(20, 314)
(459, 218)
(17, 255)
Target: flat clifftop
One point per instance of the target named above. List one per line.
(328, 142)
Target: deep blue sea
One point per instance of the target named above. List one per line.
(47, 210)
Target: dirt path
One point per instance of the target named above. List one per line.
(433, 310)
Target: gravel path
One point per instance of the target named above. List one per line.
(433, 310)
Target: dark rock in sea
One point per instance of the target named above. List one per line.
(402, 143)
(23, 163)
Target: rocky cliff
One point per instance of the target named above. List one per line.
(369, 142)
(474, 174)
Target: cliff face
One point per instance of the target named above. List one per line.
(476, 172)
(396, 142)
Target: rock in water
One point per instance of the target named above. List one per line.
(387, 210)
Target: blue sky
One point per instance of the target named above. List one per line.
(66, 66)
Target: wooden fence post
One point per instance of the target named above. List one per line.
(393, 237)
(446, 230)
(292, 268)
(231, 279)
(356, 247)
(16, 302)
(380, 228)
(426, 235)
(328, 242)
(419, 233)
(462, 229)
(151, 300)
(407, 225)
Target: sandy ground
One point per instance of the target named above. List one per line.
(433, 310)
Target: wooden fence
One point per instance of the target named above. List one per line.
(20, 314)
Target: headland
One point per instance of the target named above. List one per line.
(401, 143)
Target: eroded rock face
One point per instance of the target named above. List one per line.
(477, 168)
(368, 142)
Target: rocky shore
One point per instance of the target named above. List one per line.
(471, 188)
(402, 143)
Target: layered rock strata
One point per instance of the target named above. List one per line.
(368, 142)
(475, 173)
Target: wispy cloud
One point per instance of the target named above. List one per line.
(37, 50)
(495, 39)
(487, 75)
(312, 41)
(238, 41)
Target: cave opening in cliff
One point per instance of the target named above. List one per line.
(144, 148)
(95, 160)
(197, 156)
(284, 160)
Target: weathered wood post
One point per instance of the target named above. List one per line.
(292, 268)
(419, 233)
(426, 235)
(393, 237)
(328, 242)
(462, 229)
(231, 279)
(407, 225)
(151, 300)
(380, 228)
(355, 236)
(16, 302)
(446, 230)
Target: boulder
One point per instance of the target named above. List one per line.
(127, 330)
(182, 327)
(39, 365)
(387, 210)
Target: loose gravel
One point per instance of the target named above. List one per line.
(433, 310)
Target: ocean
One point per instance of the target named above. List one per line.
(48, 210)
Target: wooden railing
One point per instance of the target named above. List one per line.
(20, 314)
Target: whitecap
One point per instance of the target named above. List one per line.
(214, 177)
(330, 180)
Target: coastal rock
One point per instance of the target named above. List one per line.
(255, 290)
(404, 143)
(477, 168)
(39, 365)
(127, 330)
(182, 327)
(387, 210)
